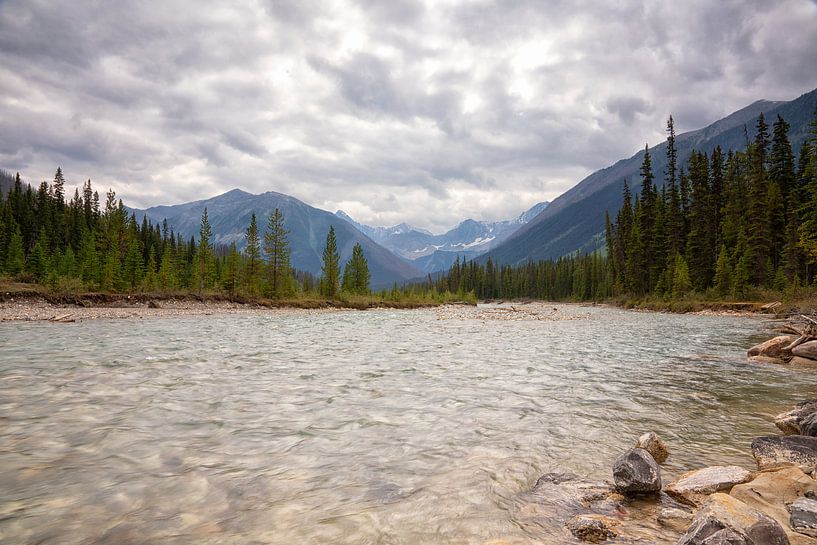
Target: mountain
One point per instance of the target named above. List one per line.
(575, 220)
(6, 182)
(230, 213)
(430, 252)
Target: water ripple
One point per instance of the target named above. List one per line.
(358, 427)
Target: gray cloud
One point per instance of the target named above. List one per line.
(426, 112)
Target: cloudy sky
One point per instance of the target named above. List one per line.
(393, 110)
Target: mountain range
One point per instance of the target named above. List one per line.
(430, 252)
(574, 221)
(230, 215)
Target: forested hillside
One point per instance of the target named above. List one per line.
(723, 224)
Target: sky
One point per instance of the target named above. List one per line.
(426, 112)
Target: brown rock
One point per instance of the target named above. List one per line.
(766, 359)
(693, 487)
(772, 348)
(799, 361)
(806, 350)
(724, 519)
(592, 528)
(654, 445)
(771, 492)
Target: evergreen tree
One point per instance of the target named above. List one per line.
(356, 272)
(331, 272)
(232, 266)
(15, 256)
(723, 273)
(279, 270)
(252, 270)
(203, 271)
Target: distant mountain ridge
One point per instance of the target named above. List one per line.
(574, 221)
(230, 214)
(430, 252)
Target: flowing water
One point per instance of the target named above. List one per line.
(391, 427)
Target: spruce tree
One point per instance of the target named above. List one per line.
(331, 266)
(356, 273)
(279, 270)
(15, 256)
(203, 269)
(252, 270)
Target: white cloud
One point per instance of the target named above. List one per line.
(426, 112)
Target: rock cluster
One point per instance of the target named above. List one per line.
(720, 505)
(799, 349)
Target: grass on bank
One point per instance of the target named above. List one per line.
(72, 291)
(795, 300)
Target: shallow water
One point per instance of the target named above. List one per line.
(355, 427)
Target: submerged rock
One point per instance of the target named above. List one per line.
(804, 516)
(767, 359)
(592, 528)
(693, 487)
(636, 472)
(773, 348)
(806, 350)
(789, 422)
(773, 451)
(654, 445)
(770, 492)
(726, 520)
(675, 518)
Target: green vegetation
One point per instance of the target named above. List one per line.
(728, 227)
(68, 250)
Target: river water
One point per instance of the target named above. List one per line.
(393, 427)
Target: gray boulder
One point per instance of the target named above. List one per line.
(806, 350)
(725, 520)
(654, 445)
(636, 472)
(804, 516)
(774, 451)
(693, 487)
(789, 422)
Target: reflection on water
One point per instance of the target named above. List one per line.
(353, 427)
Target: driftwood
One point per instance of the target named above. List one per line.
(808, 333)
(63, 318)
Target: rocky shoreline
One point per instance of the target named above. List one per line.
(796, 346)
(774, 504)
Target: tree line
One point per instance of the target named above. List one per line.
(726, 224)
(79, 243)
(722, 225)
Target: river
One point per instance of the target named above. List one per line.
(392, 427)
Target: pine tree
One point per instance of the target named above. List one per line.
(279, 270)
(231, 273)
(203, 270)
(356, 273)
(723, 273)
(168, 279)
(150, 282)
(331, 266)
(252, 270)
(15, 256)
